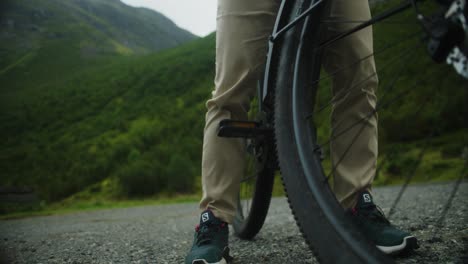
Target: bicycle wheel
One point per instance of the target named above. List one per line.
(257, 184)
(302, 127)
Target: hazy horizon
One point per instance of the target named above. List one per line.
(198, 17)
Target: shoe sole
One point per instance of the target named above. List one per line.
(202, 261)
(409, 243)
(224, 260)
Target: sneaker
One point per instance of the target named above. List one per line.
(210, 245)
(373, 224)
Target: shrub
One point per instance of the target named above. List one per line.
(179, 174)
(139, 178)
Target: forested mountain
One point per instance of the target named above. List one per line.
(64, 64)
(138, 120)
(41, 40)
(84, 106)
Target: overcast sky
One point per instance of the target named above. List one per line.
(196, 16)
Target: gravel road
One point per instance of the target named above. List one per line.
(163, 234)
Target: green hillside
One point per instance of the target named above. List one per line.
(133, 124)
(139, 120)
(62, 63)
(42, 40)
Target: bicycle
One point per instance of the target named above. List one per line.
(284, 129)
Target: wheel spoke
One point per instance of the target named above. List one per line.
(448, 204)
(407, 52)
(397, 22)
(410, 176)
(380, 105)
(416, 164)
(249, 178)
(363, 120)
(375, 19)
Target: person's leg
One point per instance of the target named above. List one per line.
(355, 152)
(243, 27)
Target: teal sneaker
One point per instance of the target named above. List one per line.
(210, 245)
(373, 224)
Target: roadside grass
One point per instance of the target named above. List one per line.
(443, 160)
(75, 206)
(103, 195)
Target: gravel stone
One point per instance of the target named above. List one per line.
(163, 234)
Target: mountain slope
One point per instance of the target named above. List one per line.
(135, 123)
(42, 40)
(138, 120)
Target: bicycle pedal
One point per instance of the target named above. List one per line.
(241, 129)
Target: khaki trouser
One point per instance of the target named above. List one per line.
(243, 27)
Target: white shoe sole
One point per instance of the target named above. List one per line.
(222, 261)
(202, 261)
(408, 242)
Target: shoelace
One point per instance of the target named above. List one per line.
(205, 233)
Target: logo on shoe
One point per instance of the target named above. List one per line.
(205, 217)
(367, 198)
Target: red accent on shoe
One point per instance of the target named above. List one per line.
(197, 227)
(354, 211)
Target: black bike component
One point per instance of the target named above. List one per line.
(444, 34)
(291, 24)
(258, 183)
(321, 219)
(242, 129)
(256, 186)
(269, 74)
